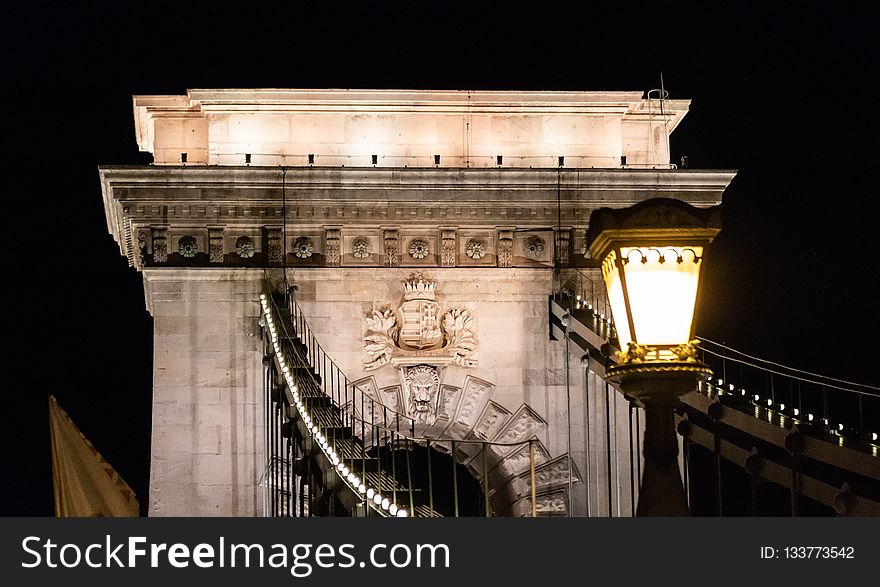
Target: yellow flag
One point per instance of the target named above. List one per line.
(85, 484)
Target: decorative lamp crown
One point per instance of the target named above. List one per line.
(418, 288)
(651, 255)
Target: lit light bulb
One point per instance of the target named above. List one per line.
(262, 297)
(874, 436)
(371, 492)
(769, 402)
(782, 406)
(386, 503)
(796, 412)
(377, 499)
(402, 513)
(362, 488)
(720, 382)
(345, 471)
(825, 421)
(340, 466)
(840, 427)
(757, 398)
(809, 417)
(392, 509)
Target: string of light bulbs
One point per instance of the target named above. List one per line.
(373, 497)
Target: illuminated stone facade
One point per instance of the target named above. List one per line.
(486, 194)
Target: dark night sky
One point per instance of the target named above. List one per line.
(781, 96)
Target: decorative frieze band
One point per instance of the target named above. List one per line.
(338, 246)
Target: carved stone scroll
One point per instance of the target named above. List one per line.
(563, 238)
(273, 242)
(215, 244)
(505, 248)
(332, 248)
(160, 244)
(392, 247)
(447, 248)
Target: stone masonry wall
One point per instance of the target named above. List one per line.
(207, 436)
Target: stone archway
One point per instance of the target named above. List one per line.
(464, 416)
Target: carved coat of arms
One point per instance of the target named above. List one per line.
(419, 329)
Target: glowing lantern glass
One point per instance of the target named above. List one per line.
(651, 256)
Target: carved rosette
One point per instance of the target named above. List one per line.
(302, 247)
(215, 244)
(534, 247)
(505, 248)
(273, 248)
(160, 244)
(360, 249)
(187, 246)
(392, 248)
(418, 249)
(475, 249)
(563, 238)
(244, 246)
(447, 248)
(332, 251)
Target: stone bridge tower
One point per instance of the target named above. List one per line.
(403, 206)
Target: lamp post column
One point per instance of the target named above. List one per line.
(657, 387)
(661, 492)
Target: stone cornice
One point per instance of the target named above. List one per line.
(208, 196)
(248, 184)
(429, 101)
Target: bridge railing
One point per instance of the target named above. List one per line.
(839, 410)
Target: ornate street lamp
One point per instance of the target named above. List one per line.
(651, 256)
